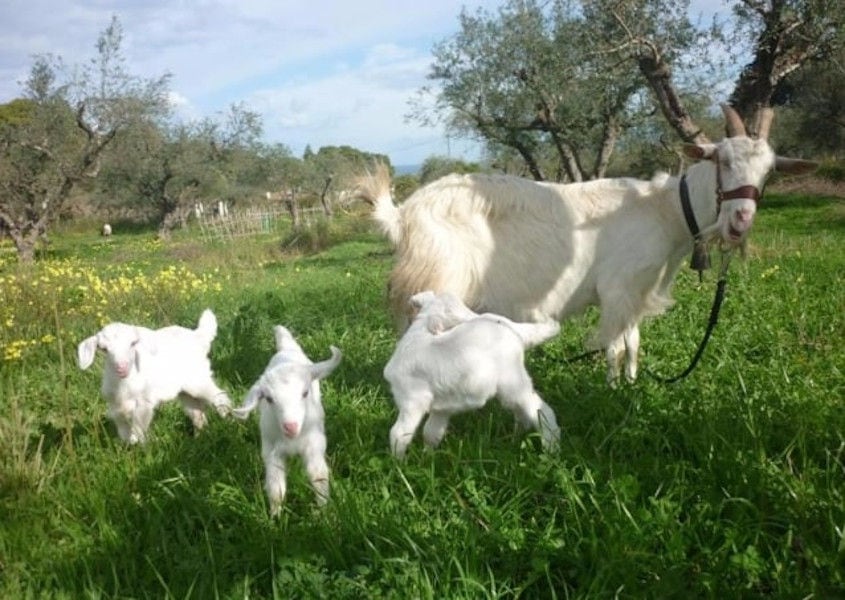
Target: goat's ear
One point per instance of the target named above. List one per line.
(699, 151)
(417, 301)
(86, 351)
(324, 369)
(145, 342)
(794, 166)
(249, 403)
(436, 324)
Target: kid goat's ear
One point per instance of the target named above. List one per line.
(249, 403)
(86, 351)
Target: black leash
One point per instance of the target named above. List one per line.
(711, 325)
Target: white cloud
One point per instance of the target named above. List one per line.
(320, 72)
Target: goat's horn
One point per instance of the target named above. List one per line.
(764, 122)
(323, 369)
(733, 121)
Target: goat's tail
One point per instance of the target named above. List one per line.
(374, 189)
(534, 334)
(207, 328)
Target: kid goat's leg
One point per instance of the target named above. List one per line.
(435, 428)
(314, 459)
(275, 483)
(403, 429)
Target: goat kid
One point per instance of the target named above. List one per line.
(536, 251)
(292, 420)
(452, 360)
(146, 367)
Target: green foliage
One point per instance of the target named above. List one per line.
(728, 484)
(436, 167)
(17, 112)
(834, 170)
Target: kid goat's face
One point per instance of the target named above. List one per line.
(286, 393)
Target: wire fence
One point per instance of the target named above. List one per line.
(235, 224)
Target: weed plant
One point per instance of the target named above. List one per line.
(728, 484)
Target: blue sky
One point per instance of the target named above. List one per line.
(320, 72)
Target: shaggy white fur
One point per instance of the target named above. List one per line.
(536, 251)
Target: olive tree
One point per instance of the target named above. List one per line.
(72, 120)
(560, 82)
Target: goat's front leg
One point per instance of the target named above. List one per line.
(142, 416)
(632, 349)
(275, 480)
(314, 459)
(614, 354)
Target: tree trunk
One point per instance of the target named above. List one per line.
(293, 208)
(608, 143)
(327, 209)
(568, 158)
(659, 77)
(25, 246)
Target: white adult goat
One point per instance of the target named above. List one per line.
(451, 360)
(146, 367)
(292, 419)
(535, 251)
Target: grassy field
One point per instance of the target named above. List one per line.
(729, 484)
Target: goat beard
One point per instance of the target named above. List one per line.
(712, 237)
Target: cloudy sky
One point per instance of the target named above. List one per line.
(319, 72)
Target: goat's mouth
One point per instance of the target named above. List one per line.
(735, 235)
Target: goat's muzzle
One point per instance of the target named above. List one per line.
(122, 370)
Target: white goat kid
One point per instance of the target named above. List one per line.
(146, 367)
(292, 420)
(451, 360)
(536, 251)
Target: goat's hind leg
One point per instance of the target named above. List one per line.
(404, 428)
(435, 428)
(632, 350)
(210, 393)
(533, 412)
(195, 409)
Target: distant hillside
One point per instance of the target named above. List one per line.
(407, 169)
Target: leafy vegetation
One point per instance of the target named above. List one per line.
(728, 484)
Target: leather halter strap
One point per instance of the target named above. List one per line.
(743, 191)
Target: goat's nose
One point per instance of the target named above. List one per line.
(744, 215)
(291, 428)
(122, 369)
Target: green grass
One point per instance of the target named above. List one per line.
(728, 484)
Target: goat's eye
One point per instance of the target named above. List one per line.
(269, 399)
(305, 393)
